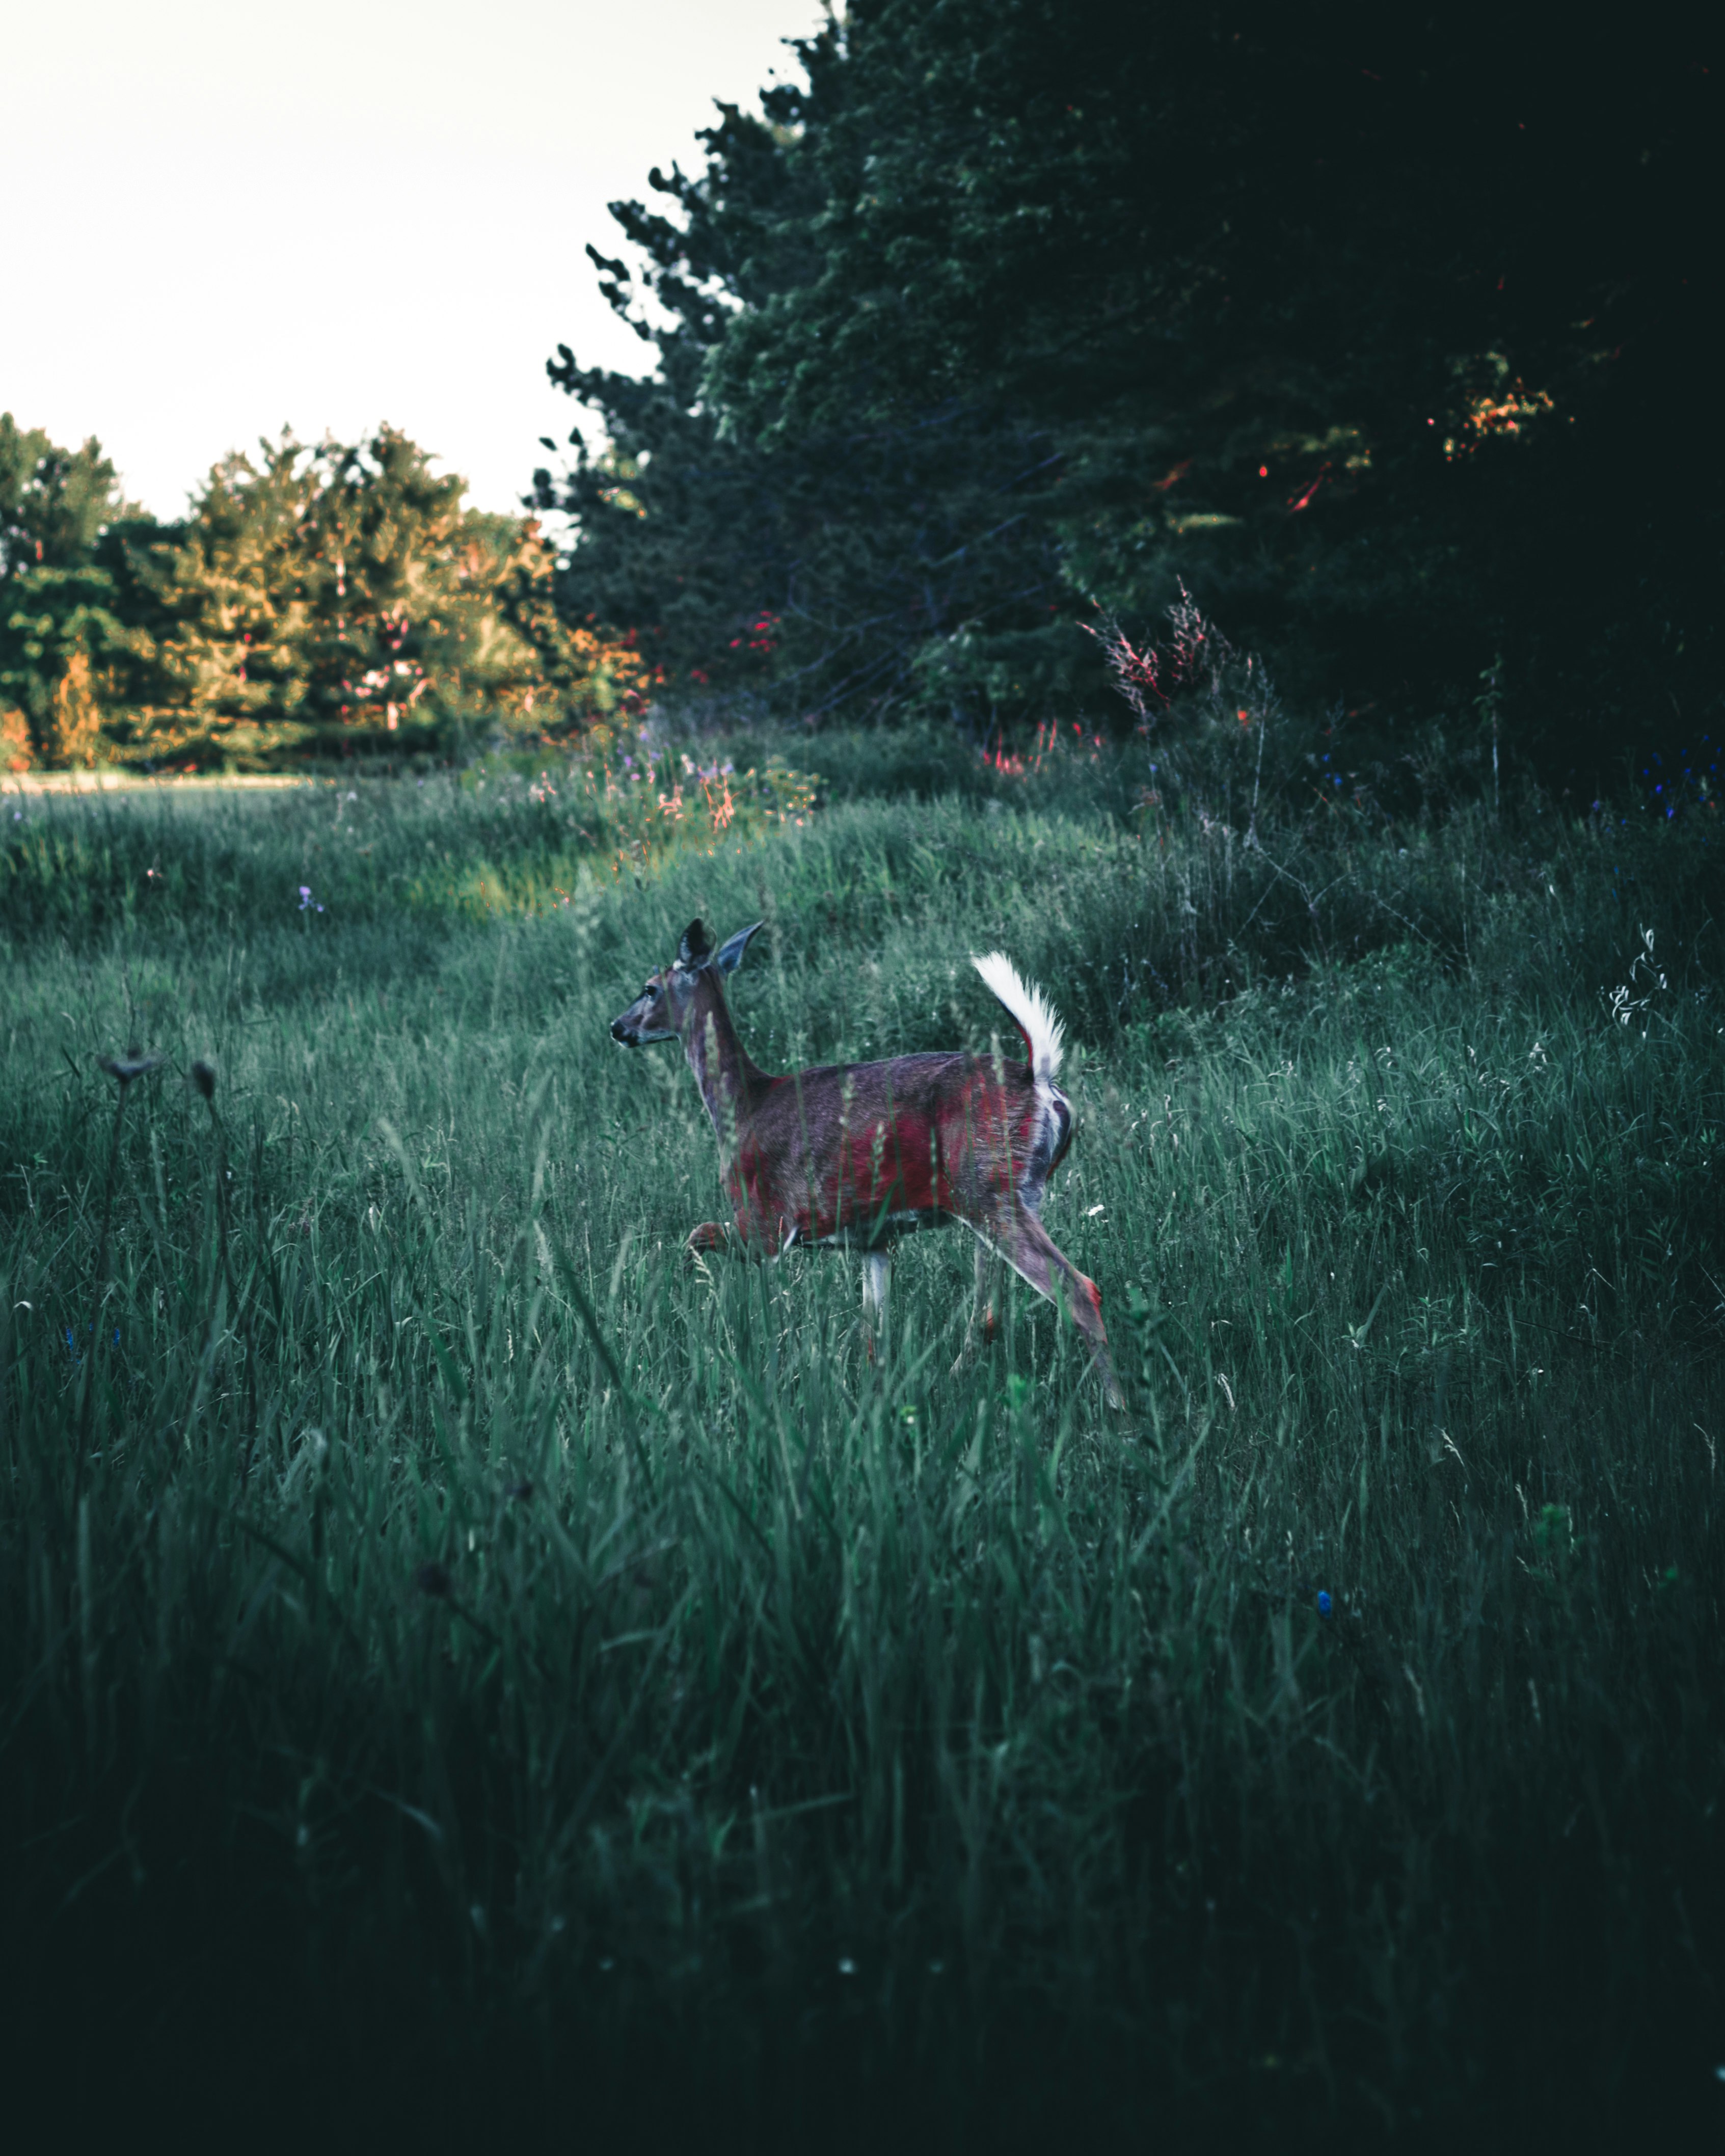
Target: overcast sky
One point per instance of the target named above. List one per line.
(221, 217)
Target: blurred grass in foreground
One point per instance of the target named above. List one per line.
(478, 1654)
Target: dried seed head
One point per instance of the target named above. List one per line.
(133, 1064)
(204, 1079)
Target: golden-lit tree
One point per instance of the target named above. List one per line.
(341, 597)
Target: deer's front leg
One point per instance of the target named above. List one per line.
(1033, 1253)
(743, 1238)
(877, 1285)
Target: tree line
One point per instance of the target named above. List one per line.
(328, 600)
(1387, 335)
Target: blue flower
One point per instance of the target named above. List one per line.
(1323, 1602)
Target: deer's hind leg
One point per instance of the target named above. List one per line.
(984, 1323)
(1034, 1256)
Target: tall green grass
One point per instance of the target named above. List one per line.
(508, 836)
(480, 1654)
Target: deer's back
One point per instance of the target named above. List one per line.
(870, 1148)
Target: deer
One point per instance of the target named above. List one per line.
(857, 1155)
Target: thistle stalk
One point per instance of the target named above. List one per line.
(203, 1078)
(123, 1069)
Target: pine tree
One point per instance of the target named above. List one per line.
(1358, 323)
(63, 643)
(324, 600)
(340, 599)
(865, 566)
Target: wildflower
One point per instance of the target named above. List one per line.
(1324, 1604)
(306, 901)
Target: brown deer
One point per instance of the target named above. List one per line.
(859, 1154)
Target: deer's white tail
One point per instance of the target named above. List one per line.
(1028, 1009)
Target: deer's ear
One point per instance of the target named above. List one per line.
(729, 955)
(694, 950)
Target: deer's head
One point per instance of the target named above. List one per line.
(662, 1009)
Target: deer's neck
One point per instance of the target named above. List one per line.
(729, 1083)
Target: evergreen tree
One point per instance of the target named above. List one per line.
(328, 600)
(54, 503)
(1360, 324)
(317, 598)
(64, 644)
(870, 564)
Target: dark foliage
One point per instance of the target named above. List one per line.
(887, 561)
(1384, 332)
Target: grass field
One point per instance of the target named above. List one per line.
(456, 1650)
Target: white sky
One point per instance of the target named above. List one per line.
(222, 217)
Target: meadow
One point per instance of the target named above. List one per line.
(457, 1650)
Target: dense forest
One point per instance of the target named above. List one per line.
(1387, 338)
(1380, 333)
